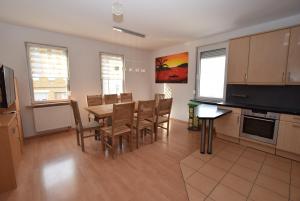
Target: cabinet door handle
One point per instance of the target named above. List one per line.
(238, 119)
(289, 76)
(246, 77)
(283, 76)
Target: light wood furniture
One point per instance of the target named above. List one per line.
(163, 112)
(238, 58)
(157, 97)
(80, 133)
(10, 151)
(122, 125)
(110, 98)
(268, 57)
(93, 100)
(228, 127)
(289, 134)
(293, 67)
(144, 120)
(126, 97)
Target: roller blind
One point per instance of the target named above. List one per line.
(49, 72)
(112, 73)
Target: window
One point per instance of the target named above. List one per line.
(49, 72)
(112, 73)
(211, 74)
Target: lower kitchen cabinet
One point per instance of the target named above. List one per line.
(289, 137)
(229, 125)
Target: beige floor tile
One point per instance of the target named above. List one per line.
(192, 162)
(261, 194)
(212, 172)
(203, 157)
(235, 148)
(227, 155)
(274, 185)
(255, 155)
(194, 194)
(244, 172)
(220, 163)
(275, 173)
(186, 171)
(202, 183)
(237, 183)
(278, 162)
(295, 193)
(251, 164)
(223, 193)
(209, 199)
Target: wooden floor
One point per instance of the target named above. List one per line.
(54, 168)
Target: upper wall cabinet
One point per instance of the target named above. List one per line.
(238, 60)
(293, 68)
(268, 57)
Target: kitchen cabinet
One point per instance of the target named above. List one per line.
(268, 57)
(289, 134)
(293, 67)
(229, 125)
(238, 60)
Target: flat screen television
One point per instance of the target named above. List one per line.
(7, 87)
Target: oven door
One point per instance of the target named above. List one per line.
(257, 128)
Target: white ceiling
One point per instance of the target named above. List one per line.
(165, 22)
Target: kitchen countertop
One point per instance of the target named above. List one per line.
(256, 107)
(208, 111)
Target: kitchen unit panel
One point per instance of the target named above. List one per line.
(293, 67)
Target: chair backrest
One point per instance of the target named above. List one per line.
(126, 97)
(164, 107)
(146, 110)
(93, 100)
(111, 98)
(77, 118)
(157, 97)
(122, 115)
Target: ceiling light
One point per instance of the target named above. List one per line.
(128, 32)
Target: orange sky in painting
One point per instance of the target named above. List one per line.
(176, 59)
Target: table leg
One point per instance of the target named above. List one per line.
(97, 133)
(202, 138)
(210, 136)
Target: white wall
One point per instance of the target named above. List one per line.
(182, 93)
(84, 65)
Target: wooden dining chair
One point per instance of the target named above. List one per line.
(126, 97)
(162, 116)
(157, 97)
(122, 125)
(94, 100)
(110, 98)
(145, 120)
(80, 131)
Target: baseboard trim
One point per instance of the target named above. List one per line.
(288, 155)
(50, 132)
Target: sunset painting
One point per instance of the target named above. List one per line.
(172, 68)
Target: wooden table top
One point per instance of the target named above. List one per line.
(102, 111)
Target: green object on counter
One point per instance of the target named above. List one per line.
(193, 123)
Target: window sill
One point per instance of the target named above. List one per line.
(49, 104)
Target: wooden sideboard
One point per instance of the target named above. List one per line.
(10, 151)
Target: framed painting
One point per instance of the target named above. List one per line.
(172, 68)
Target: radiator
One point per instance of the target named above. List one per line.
(54, 118)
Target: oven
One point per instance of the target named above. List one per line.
(259, 125)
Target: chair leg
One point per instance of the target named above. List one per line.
(113, 148)
(77, 137)
(103, 142)
(130, 140)
(82, 142)
(120, 141)
(137, 138)
(152, 132)
(156, 131)
(168, 128)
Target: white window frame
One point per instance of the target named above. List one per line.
(27, 45)
(123, 60)
(198, 70)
